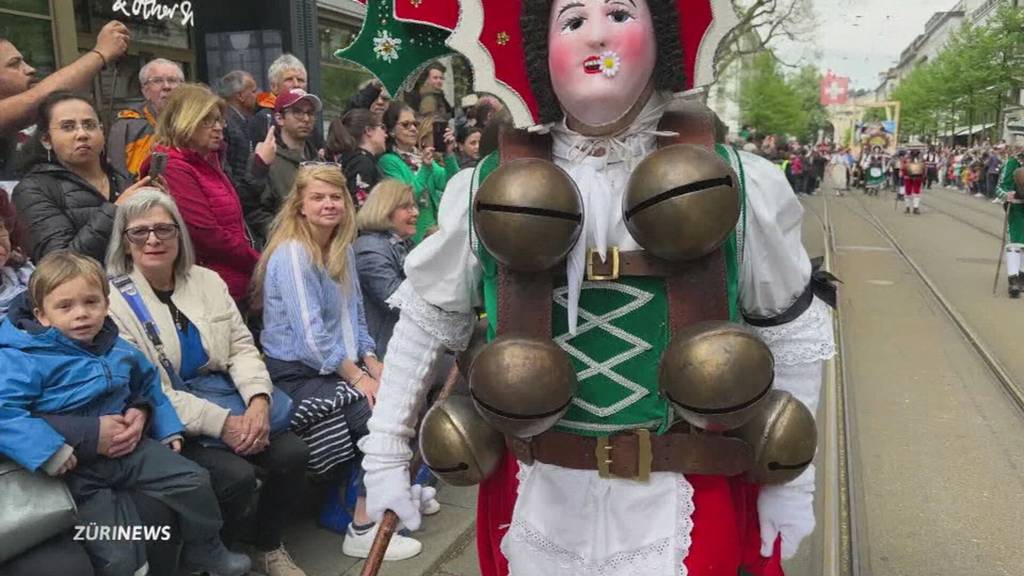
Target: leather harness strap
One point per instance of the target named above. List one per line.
(679, 450)
(695, 292)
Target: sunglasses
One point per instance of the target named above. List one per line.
(139, 235)
(319, 163)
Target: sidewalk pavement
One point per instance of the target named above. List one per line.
(449, 548)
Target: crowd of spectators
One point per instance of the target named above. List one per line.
(264, 255)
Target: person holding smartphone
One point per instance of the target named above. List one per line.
(416, 165)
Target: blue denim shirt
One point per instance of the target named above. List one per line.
(306, 314)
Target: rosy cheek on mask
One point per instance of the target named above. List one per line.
(561, 59)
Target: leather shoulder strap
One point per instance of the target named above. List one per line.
(694, 124)
(524, 299)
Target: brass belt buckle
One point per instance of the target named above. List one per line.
(645, 456)
(613, 253)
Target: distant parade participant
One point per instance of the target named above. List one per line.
(576, 493)
(913, 170)
(931, 165)
(874, 171)
(1007, 191)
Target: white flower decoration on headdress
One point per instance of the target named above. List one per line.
(385, 47)
(610, 63)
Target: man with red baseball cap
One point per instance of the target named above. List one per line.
(275, 161)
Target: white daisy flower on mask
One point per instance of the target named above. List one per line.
(610, 63)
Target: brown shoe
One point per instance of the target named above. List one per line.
(276, 563)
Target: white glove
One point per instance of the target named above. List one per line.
(389, 489)
(786, 511)
(423, 494)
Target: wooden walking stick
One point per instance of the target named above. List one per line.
(390, 520)
(1002, 247)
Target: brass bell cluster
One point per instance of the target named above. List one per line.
(681, 204)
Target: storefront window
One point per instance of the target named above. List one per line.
(91, 15)
(339, 79)
(33, 6)
(33, 38)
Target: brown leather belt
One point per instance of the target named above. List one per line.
(637, 453)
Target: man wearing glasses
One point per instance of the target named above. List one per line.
(131, 136)
(276, 159)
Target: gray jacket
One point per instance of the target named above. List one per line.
(380, 261)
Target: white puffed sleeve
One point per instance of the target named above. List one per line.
(442, 269)
(774, 265)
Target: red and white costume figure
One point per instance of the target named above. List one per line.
(914, 171)
(607, 90)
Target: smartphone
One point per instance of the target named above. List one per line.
(439, 143)
(157, 164)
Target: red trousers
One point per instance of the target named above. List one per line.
(912, 185)
(726, 534)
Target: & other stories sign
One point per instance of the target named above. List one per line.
(153, 10)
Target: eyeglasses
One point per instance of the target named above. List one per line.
(300, 113)
(171, 81)
(319, 163)
(139, 235)
(409, 124)
(209, 122)
(71, 126)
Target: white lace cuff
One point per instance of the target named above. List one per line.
(453, 329)
(807, 339)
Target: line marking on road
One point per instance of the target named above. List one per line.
(865, 249)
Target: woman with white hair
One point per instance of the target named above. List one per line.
(204, 337)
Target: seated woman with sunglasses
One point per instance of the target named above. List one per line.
(190, 130)
(204, 337)
(67, 199)
(414, 166)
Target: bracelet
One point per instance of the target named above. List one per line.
(358, 378)
(102, 57)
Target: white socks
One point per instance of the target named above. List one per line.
(917, 201)
(1012, 261)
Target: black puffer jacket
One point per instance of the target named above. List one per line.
(61, 210)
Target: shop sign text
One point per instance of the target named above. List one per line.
(151, 10)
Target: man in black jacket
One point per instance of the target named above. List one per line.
(275, 162)
(238, 88)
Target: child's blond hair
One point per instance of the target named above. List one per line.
(61, 267)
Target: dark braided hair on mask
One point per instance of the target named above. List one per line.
(534, 20)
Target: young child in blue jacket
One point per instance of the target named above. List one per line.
(79, 402)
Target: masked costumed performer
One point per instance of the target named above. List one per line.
(596, 83)
(1008, 191)
(913, 170)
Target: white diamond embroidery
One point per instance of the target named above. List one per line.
(604, 322)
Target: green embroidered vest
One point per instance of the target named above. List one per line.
(622, 331)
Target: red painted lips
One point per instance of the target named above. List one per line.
(592, 65)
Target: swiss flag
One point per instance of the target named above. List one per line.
(834, 89)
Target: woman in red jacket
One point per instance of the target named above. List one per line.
(190, 130)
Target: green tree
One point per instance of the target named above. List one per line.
(968, 83)
(767, 101)
(806, 84)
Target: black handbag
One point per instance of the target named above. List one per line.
(33, 508)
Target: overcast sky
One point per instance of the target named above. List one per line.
(861, 38)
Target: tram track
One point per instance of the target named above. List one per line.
(839, 522)
(1000, 373)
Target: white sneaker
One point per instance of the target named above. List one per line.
(400, 547)
(430, 507)
(997, 200)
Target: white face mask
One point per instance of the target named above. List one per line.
(601, 55)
